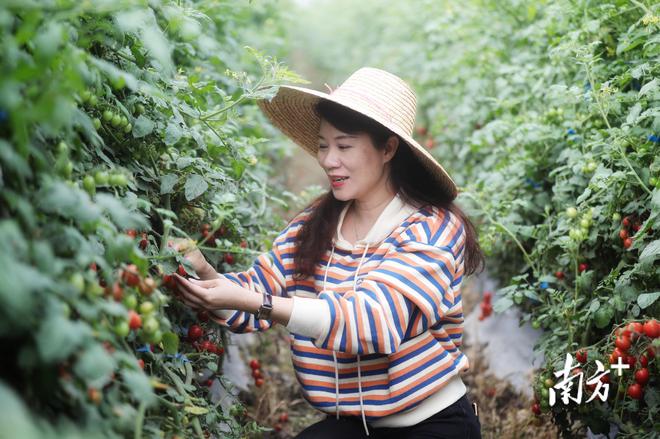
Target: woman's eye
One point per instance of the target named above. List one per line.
(322, 146)
(344, 146)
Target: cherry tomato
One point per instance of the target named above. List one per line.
(141, 363)
(195, 332)
(642, 376)
(559, 275)
(635, 391)
(626, 221)
(652, 328)
(536, 409)
(284, 417)
(181, 270)
(259, 382)
(635, 329)
(134, 320)
(229, 258)
(622, 342)
(206, 345)
(131, 274)
(203, 316)
(627, 243)
(151, 325)
(581, 356)
(254, 364)
(147, 308)
(623, 234)
(643, 360)
(122, 329)
(583, 267)
(147, 286)
(256, 374)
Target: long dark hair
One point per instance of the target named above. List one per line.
(316, 234)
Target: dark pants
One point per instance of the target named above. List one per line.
(458, 421)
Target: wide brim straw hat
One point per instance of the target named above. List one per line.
(375, 93)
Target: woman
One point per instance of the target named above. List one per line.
(367, 278)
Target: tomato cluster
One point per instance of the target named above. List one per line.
(486, 306)
(631, 338)
(630, 226)
(256, 372)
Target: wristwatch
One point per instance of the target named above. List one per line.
(266, 307)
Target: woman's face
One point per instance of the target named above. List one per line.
(354, 156)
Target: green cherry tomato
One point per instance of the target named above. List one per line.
(139, 109)
(518, 297)
(78, 282)
(128, 128)
(154, 337)
(122, 329)
(124, 121)
(94, 290)
(571, 212)
(93, 101)
(97, 123)
(585, 223)
(101, 178)
(146, 308)
(536, 324)
(62, 148)
(108, 115)
(89, 184)
(150, 325)
(616, 217)
(548, 382)
(116, 120)
(85, 95)
(118, 180)
(130, 301)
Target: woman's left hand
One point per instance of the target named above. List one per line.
(210, 294)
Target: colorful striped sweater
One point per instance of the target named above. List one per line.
(377, 331)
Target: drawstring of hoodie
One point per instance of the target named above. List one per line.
(334, 355)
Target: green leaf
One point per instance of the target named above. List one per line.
(195, 186)
(170, 342)
(647, 299)
(139, 385)
(143, 126)
(95, 365)
(173, 133)
(650, 252)
(167, 183)
(58, 337)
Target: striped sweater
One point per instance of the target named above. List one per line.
(376, 332)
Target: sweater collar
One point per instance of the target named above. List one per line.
(391, 217)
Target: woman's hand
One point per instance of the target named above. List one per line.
(196, 258)
(214, 294)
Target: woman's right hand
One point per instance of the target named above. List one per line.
(195, 256)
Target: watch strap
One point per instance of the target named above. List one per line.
(266, 307)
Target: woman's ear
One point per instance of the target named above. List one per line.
(391, 147)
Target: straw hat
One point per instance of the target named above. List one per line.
(378, 94)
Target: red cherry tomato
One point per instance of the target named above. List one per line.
(229, 258)
(559, 275)
(134, 320)
(536, 409)
(181, 270)
(259, 382)
(626, 221)
(254, 364)
(652, 328)
(627, 242)
(284, 417)
(131, 275)
(256, 374)
(195, 332)
(583, 267)
(635, 391)
(581, 356)
(623, 233)
(623, 342)
(642, 376)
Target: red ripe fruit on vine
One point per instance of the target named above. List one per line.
(141, 363)
(209, 383)
(581, 356)
(134, 320)
(205, 234)
(583, 267)
(131, 275)
(623, 233)
(652, 328)
(254, 364)
(284, 417)
(630, 360)
(626, 221)
(229, 258)
(605, 379)
(643, 360)
(636, 329)
(488, 296)
(637, 226)
(623, 342)
(169, 281)
(559, 275)
(219, 350)
(642, 376)
(206, 227)
(116, 291)
(536, 409)
(207, 346)
(143, 243)
(256, 374)
(147, 286)
(277, 427)
(627, 243)
(203, 316)
(616, 354)
(259, 382)
(635, 391)
(195, 332)
(181, 271)
(132, 233)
